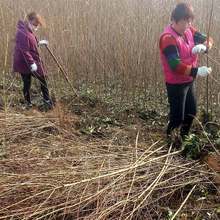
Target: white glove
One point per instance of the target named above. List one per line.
(33, 67)
(200, 48)
(43, 42)
(204, 71)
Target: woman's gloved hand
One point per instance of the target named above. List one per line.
(204, 71)
(200, 48)
(33, 67)
(43, 42)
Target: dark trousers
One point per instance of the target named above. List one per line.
(27, 86)
(183, 107)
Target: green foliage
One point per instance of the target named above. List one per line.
(217, 142)
(205, 117)
(169, 214)
(192, 147)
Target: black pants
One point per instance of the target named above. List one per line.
(27, 86)
(183, 107)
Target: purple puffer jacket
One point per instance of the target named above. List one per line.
(26, 51)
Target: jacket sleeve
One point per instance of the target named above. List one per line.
(169, 48)
(199, 38)
(24, 46)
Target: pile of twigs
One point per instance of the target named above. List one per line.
(47, 174)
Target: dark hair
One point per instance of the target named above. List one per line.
(182, 11)
(35, 16)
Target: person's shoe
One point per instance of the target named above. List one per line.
(178, 142)
(175, 139)
(48, 104)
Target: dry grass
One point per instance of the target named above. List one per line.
(111, 46)
(48, 171)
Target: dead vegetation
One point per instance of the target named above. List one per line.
(103, 156)
(51, 169)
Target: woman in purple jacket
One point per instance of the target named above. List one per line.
(27, 60)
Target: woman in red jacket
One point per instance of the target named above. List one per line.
(27, 60)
